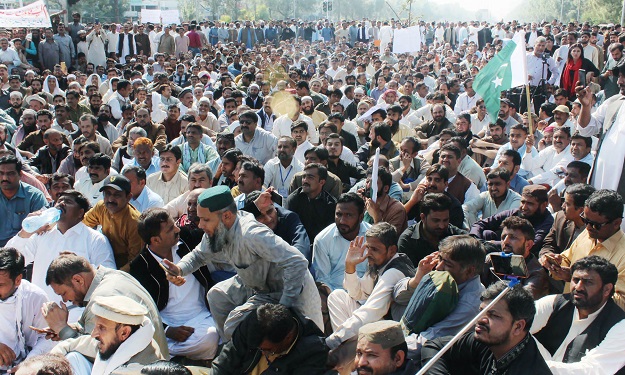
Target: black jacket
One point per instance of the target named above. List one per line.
(308, 355)
(43, 160)
(468, 356)
(152, 277)
(316, 214)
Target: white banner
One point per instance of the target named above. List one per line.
(407, 40)
(171, 16)
(151, 16)
(32, 16)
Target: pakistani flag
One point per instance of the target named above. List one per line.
(505, 70)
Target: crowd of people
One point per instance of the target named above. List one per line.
(261, 197)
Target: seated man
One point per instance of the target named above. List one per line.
(314, 206)
(500, 343)
(77, 281)
(48, 158)
(517, 238)
(346, 172)
(189, 326)
(68, 233)
(381, 137)
(541, 166)
(511, 160)
(118, 220)
(299, 132)
(318, 155)
(170, 182)
(280, 170)
(468, 167)
(284, 223)
(251, 177)
(273, 338)
(462, 257)
(423, 238)
(99, 169)
(409, 167)
(498, 198)
(193, 150)
(576, 172)
(435, 182)
(331, 244)
(458, 185)
(533, 208)
(200, 177)
(121, 340)
(190, 232)
(143, 198)
(385, 208)
(602, 215)
(385, 265)
(144, 156)
(20, 309)
(382, 349)
(583, 331)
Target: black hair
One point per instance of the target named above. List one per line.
(149, 224)
(580, 193)
(275, 322)
(520, 302)
(352, 198)
(11, 261)
(78, 197)
(606, 270)
(607, 203)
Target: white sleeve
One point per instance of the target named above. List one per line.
(544, 308)
(607, 358)
(471, 193)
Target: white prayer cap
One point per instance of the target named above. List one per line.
(306, 98)
(232, 127)
(37, 98)
(119, 309)
(359, 90)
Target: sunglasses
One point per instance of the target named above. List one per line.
(245, 122)
(594, 225)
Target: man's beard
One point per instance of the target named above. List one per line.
(108, 353)
(16, 105)
(375, 144)
(218, 240)
(308, 112)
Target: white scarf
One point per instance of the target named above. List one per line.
(133, 345)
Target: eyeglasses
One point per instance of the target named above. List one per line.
(594, 225)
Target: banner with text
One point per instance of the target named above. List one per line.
(32, 16)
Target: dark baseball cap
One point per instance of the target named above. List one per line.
(117, 182)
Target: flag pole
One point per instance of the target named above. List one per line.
(530, 120)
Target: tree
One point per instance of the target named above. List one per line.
(105, 11)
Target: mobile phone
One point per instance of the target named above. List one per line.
(582, 77)
(505, 264)
(97, 21)
(276, 198)
(167, 269)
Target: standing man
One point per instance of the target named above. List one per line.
(66, 46)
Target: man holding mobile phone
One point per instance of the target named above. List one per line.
(517, 238)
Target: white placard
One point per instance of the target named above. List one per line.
(151, 16)
(170, 16)
(34, 15)
(407, 40)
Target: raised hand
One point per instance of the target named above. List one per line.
(355, 254)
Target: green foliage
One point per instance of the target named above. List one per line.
(104, 10)
(595, 11)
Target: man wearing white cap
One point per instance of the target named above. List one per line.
(121, 341)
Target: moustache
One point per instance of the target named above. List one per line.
(113, 204)
(364, 369)
(93, 175)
